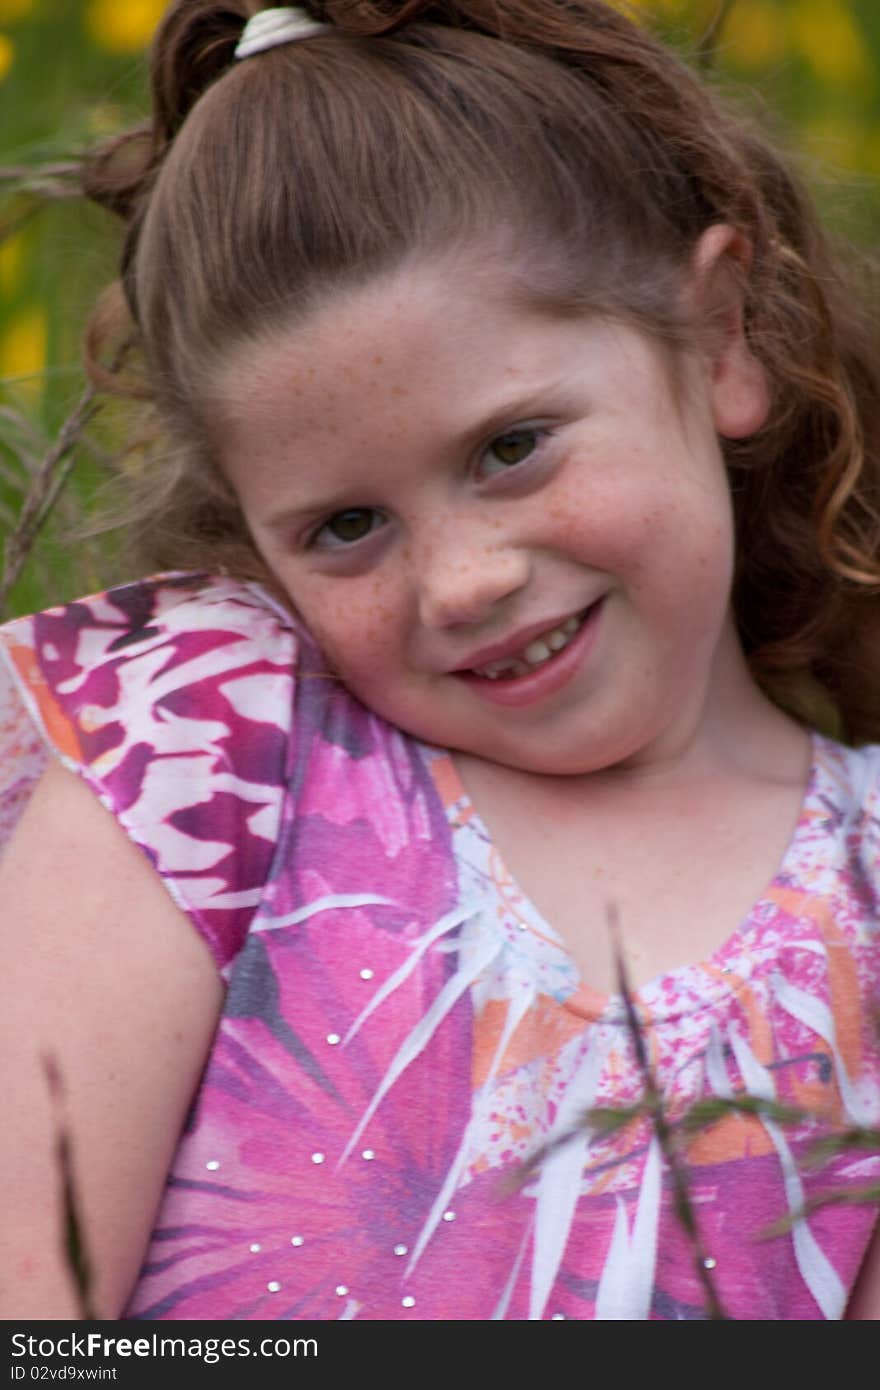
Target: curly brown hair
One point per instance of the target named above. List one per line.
(261, 187)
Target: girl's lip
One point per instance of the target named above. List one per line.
(544, 680)
(513, 645)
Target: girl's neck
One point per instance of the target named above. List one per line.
(682, 844)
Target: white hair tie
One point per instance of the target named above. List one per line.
(267, 28)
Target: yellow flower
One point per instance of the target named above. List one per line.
(23, 349)
(11, 10)
(753, 34)
(829, 37)
(7, 53)
(11, 263)
(123, 28)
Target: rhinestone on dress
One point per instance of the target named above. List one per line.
(212, 1165)
(297, 1240)
(408, 1302)
(709, 1262)
(558, 1317)
(366, 974)
(341, 1290)
(449, 1216)
(318, 1158)
(368, 1154)
(256, 1248)
(333, 1039)
(273, 1286)
(400, 1249)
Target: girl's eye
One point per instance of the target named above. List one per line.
(509, 449)
(345, 528)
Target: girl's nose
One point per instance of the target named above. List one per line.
(460, 582)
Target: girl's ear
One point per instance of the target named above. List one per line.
(737, 384)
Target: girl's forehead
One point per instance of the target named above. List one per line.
(416, 365)
(426, 322)
(424, 293)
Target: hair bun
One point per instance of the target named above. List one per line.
(114, 174)
(194, 45)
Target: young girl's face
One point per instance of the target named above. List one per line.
(508, 533)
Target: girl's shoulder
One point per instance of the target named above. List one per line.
(845, 790)
(172, 698)
(119, 626)
(835, 854)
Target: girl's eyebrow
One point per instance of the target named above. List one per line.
(287, 517)
(550, 398)
(547, 398)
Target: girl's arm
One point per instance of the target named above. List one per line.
(99, 969)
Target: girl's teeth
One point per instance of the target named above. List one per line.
(535, 653)
(507, 667)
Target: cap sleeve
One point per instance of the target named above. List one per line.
(172, 698)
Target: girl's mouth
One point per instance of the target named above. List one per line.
(544, 666)
(539, 650)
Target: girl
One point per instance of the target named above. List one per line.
(519, 508)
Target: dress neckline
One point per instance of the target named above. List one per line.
(685, 989)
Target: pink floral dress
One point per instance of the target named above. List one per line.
(402, 1032)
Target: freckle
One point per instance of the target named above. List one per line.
(378, 360)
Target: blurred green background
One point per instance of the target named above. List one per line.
(73, 71)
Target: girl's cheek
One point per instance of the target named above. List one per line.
(619, 509)
(601, 523)
(350, 620)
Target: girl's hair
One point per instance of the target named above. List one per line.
(556, 133)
